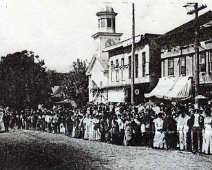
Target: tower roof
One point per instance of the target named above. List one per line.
(106, 10)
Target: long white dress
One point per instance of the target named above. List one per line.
(91, 129)
(207, 136)
(159, 138)
(1, 122)
(86, 123)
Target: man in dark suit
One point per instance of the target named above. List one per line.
(197, 124)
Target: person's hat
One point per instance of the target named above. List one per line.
(196, 107)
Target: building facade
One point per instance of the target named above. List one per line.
(146, 67)
(178, 61)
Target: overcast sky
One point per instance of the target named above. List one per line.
(59, 31)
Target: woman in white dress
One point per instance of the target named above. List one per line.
(207, 132)
(1, 120)
(91, 128)
(159, 138)
(86, 123)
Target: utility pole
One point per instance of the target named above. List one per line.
(133, 56)
(196, 42)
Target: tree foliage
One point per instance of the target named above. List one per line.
(75, 84)
(24, 81)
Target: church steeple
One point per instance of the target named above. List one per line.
(107, 20)
(106, 35)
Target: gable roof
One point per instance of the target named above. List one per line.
(184, 34)
(128, 41)
(104, 64)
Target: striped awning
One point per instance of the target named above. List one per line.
(178, 88)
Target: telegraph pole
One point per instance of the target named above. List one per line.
(133, 55)
(196, 42)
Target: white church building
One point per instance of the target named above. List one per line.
(109, 69)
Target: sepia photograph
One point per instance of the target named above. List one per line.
(105, 84)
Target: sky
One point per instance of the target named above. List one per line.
(59, 31)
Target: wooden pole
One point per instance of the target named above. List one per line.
(133, 56)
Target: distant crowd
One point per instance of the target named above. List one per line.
(172, 126)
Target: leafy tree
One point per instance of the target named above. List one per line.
(24, 81)
(75, 84)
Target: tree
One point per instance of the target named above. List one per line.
(24, 81)
(75, 84)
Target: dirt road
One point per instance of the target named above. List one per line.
(36, 150)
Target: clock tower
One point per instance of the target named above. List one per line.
(106, 35)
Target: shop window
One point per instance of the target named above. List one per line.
(202, 62)
(136, 66)
(183, 66)
(143, 64)
(109, 23)
(210, 61)
(171, 67)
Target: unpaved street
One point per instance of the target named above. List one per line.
(36, 150)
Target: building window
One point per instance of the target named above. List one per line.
(129, 62)
(164, 62)
(210, 61)
(202, 62)
(117, 63)
(109, 23)
(122, 69)
(98, 23)
(102, 22)
(171, 67)
(117, 75)
(183, 66)
(143, 64)
(136, 66)
(112, 67)
(114, 23)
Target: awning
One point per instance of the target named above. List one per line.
(181, 89)
(162, 88)
(178, 88)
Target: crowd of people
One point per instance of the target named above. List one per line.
(171, 126)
